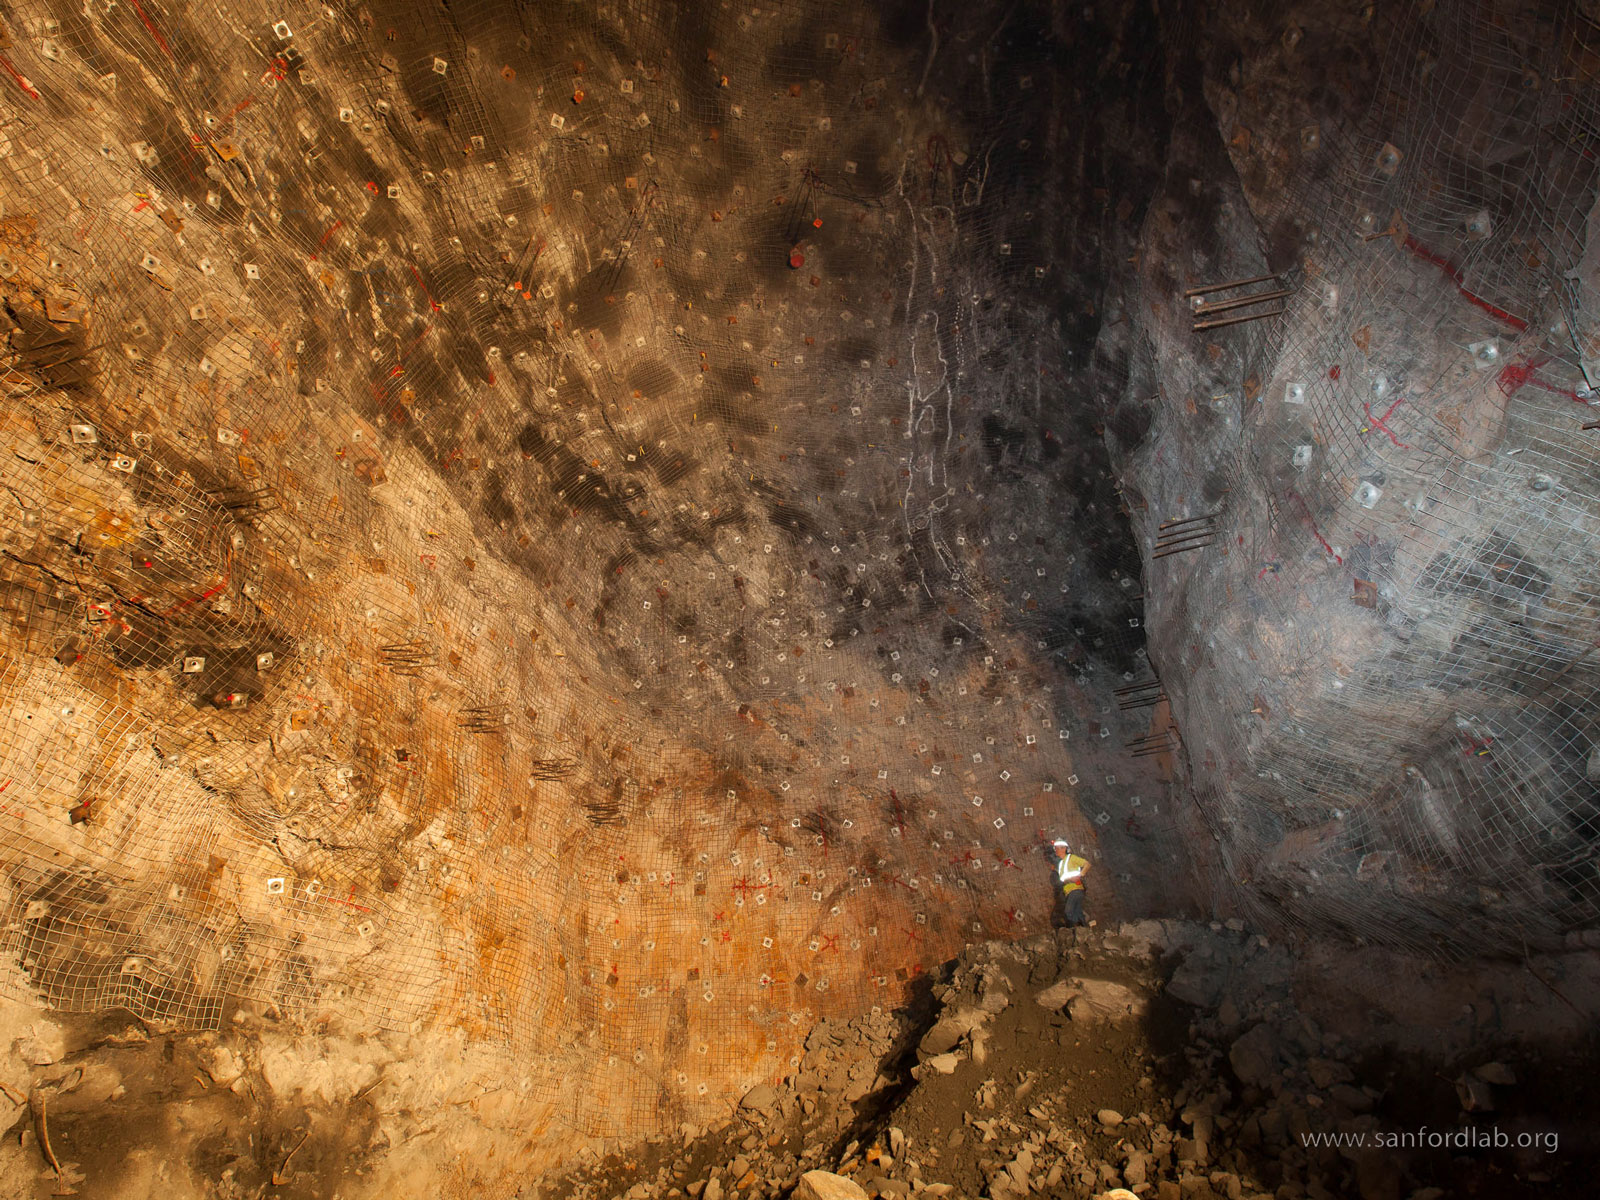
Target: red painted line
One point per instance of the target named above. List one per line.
(18, 76)
(154, 32)
(182, 604)
(1305, 510)
(432, 303)
(1454, 272)
(325, 237)
(347, 904)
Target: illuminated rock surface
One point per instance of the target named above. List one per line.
(547, 549)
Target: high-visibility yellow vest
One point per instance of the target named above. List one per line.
(1070, 871)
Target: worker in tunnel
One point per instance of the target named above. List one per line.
(1070, 870)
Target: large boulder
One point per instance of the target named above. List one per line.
(1254, 1057)
(825, 1185)
(1055, 996)
(759, 1098)
(1091, 1000)
(1105, 1000)
(947, 1032)
(944, 1064)
(1199, 981)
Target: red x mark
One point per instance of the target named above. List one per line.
(829, 942)
(744, 887)
(1378, 422)
(1012, 864)
(718, 916)
(726, 936)
(913, 938)
(1011, 916)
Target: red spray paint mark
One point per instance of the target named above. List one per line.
(399, 368)
(206, 595)
(1378, 422)
(431, 302)
(1515, 376)
(18, 76)
(1305, 511)
(154, 32)
(325, 237)
(1454, 272)
(349, 901)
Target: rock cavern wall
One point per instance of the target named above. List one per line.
(1371, 520)
(585, 533)
(555, 528)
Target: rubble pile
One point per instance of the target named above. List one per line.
(1168, 1060)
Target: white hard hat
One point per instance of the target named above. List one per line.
(1062, 842)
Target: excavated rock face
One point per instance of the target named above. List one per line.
(1371, 519)
(552, 547)
(558, 535)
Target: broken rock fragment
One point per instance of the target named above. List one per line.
(825, 1185)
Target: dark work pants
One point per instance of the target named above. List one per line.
(1074, 907)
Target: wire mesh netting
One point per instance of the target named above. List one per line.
(545, 519)
(1410, 482)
